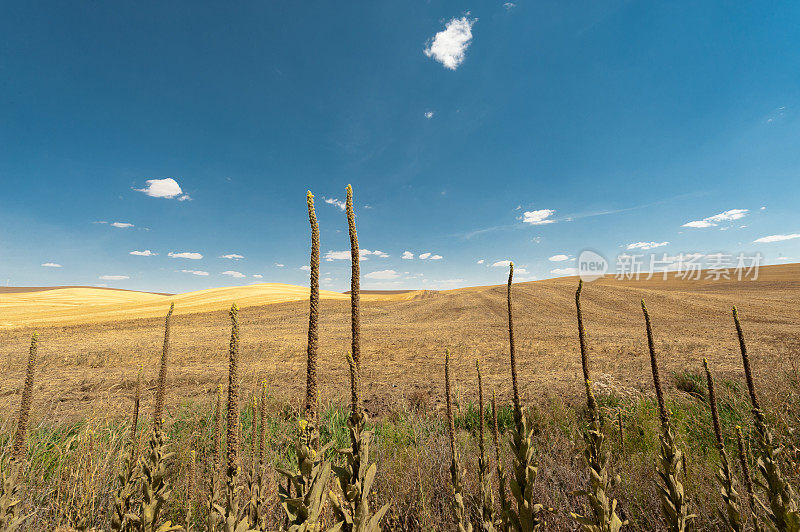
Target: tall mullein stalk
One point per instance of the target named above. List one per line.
(527, 515)
(501, 476)
(10, 519)
(355, 281)
(356, 477)
(253, 495)
(744, 464)
(460, 513)
(191, 477)
(489, 521)
(604, 516)
(20, 449)
(214, 495)
(130, 474)
(229, 516)
(262, 435)
(303, 498)
(156, 464)
(781, 511)
(732, 516)
(162, 372)
(670, 460)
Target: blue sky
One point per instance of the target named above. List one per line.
(464, 127)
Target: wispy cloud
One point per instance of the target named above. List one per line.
(121, 225)
(713, 221)
(145, 253)
(776, 238)
(382, 275)
(564, 271)
(331, 256)
(163, 188)
(113, 277)
(51, 265)
(539, 217)
(407, 255)
(449, 46)
(196, 272)
(501, 263)
(509, 6)
(279, 265)
(481, 261)
(646, 245)
(428, 114)
(235, 275)
(334, 201)
(558, 258)
(305, 268)
(257, 276)
(232, 256)
(185, 255)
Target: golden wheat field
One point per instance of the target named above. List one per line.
(91, 341)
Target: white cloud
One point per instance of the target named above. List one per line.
(279, 265)
(712, 221)
(509, 6)
(564, 271)
(257, 276)
(235, 275)
(481, 261)
(121, 225)
(232, 256)
(776, 238)
(185, 255)
(383, 275)
(424, 256)
(333, 201)
(163, 188)
(195, 272)
(436, 257)
(407, 255)
(521, 271)
(101, 285)
(305, 268)
(501, 263)
(145, 253)
(646, 245)
(428, 114)
(51, 265)
(558, 258)
(449, 46)
(376, 252)
(113, 277)
(539, 217)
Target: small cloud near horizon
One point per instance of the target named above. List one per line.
(51, 265)
(235, 275)
(646, 245)
(196, 272)
(776, 238)
(113, 277)
(185, 255)
(713, 221)
(121, 225)
(232, 256)
(145, 253)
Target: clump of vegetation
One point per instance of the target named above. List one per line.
(459, 511)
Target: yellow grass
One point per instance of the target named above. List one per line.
(90, 305)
